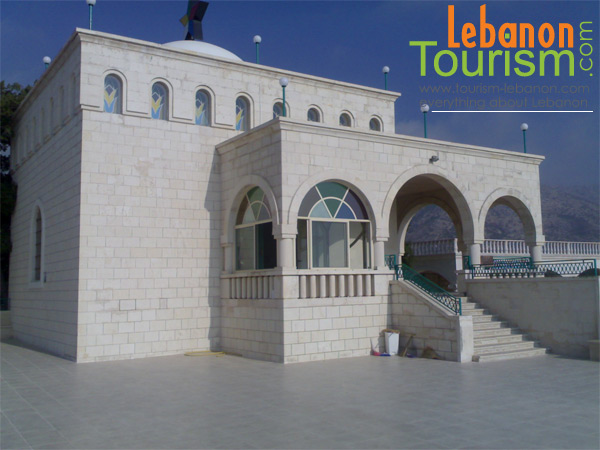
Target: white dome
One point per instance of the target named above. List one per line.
(204, 48)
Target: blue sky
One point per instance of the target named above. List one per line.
(352, 41)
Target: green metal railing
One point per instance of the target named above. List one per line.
(391, 261)
(530, 269)
(431, 289)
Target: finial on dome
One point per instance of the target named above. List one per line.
(193, 20)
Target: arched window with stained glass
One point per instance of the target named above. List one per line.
(255, 246)
(202, 110)
(159, 102)
(113, 95)
(333, 229)
(277, 110)
(242, 114)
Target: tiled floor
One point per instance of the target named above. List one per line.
(229, 402)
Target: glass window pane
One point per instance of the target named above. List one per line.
(374, 125)
(313, 115)
(356, 205)
(112, 95)
(242, 116)
(359, 245)
(320, 211)
(255, 194)
(266, 246)
(332, 189)
(345, 120)
(302, 245)
(277, 110)
(344, 212)
(332, 205)
(329, 244)
(311, 198)
(159, 102)
(240, 215)
(244, 248)
(202, 115)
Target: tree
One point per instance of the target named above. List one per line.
(11, 96)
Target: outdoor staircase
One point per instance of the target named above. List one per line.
(494, 339)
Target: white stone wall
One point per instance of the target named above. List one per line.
(449, 335)
(46, 162)
(561, 313)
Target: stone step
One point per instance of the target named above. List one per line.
(469, 305)
(473, 312)
(484, 318)
(499, 348)
(497, 340)
(489, 325)
(509, 355)
(493, 332)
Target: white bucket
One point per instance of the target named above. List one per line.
(392, 340)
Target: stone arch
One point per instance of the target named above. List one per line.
(241, 187)
(415, 208)
(357, 186)
(516, 201)
(457, 191)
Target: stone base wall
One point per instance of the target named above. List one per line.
(330, 328)
(449, 335)
(561, 313)
(253, 328)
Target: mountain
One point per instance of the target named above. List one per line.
(570, 213)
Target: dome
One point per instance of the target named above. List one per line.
(203, 48)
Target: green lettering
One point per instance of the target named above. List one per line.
(524, 62)
(557, 56)
(436, 63)
(423, 45)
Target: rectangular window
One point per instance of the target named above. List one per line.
(329, 244)
(244, 248)
(302, 245)
(359, 245)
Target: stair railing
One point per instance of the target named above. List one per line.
(443, 297)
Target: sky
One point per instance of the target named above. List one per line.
(352, 41)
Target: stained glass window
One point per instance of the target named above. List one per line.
(277, 110)
(202, 112)
(334, 229)
(242, 114)
(255, 246)
(374, 124)
(113, 93)
(159, 102)
(313, 115)
(345, 120)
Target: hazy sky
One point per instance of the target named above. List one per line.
(352, 41)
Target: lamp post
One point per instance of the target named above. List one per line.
(385, 71)
(425, 110)
(91, 4)
(283, 81)
(524, 128)
(47, 60)
(257, 41)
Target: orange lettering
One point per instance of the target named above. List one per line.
(543, 42)
(468, 31)
(451, 43)
(483, 27)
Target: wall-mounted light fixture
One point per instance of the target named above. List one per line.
(434, 158)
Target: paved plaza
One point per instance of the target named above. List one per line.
(229, 402)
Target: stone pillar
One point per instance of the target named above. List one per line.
(475, 252)
(285, 251)
(379, 255)
(536, 252)
(228, 255)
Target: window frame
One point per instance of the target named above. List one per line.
(247, 121)
(309, 235)
(164, 113)
(350, 119)
(208, 111)
(121, 94)
(379, 123)
(319, 115)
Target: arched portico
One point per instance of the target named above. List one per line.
(529, 215)
(421, 186)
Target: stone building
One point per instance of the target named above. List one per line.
(165, 205)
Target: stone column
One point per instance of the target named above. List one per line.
(285, 251)
(228, 255)
(379, 253)
(475, 252)
(536, 252)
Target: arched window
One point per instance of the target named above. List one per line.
(37, 247)
(313, 115)
(113, 95)
(277, 110)
(159, 102)
(202, 109)
(345, 120)
(255, 246)
(333, 229)
(374, 124)
(242, 114)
